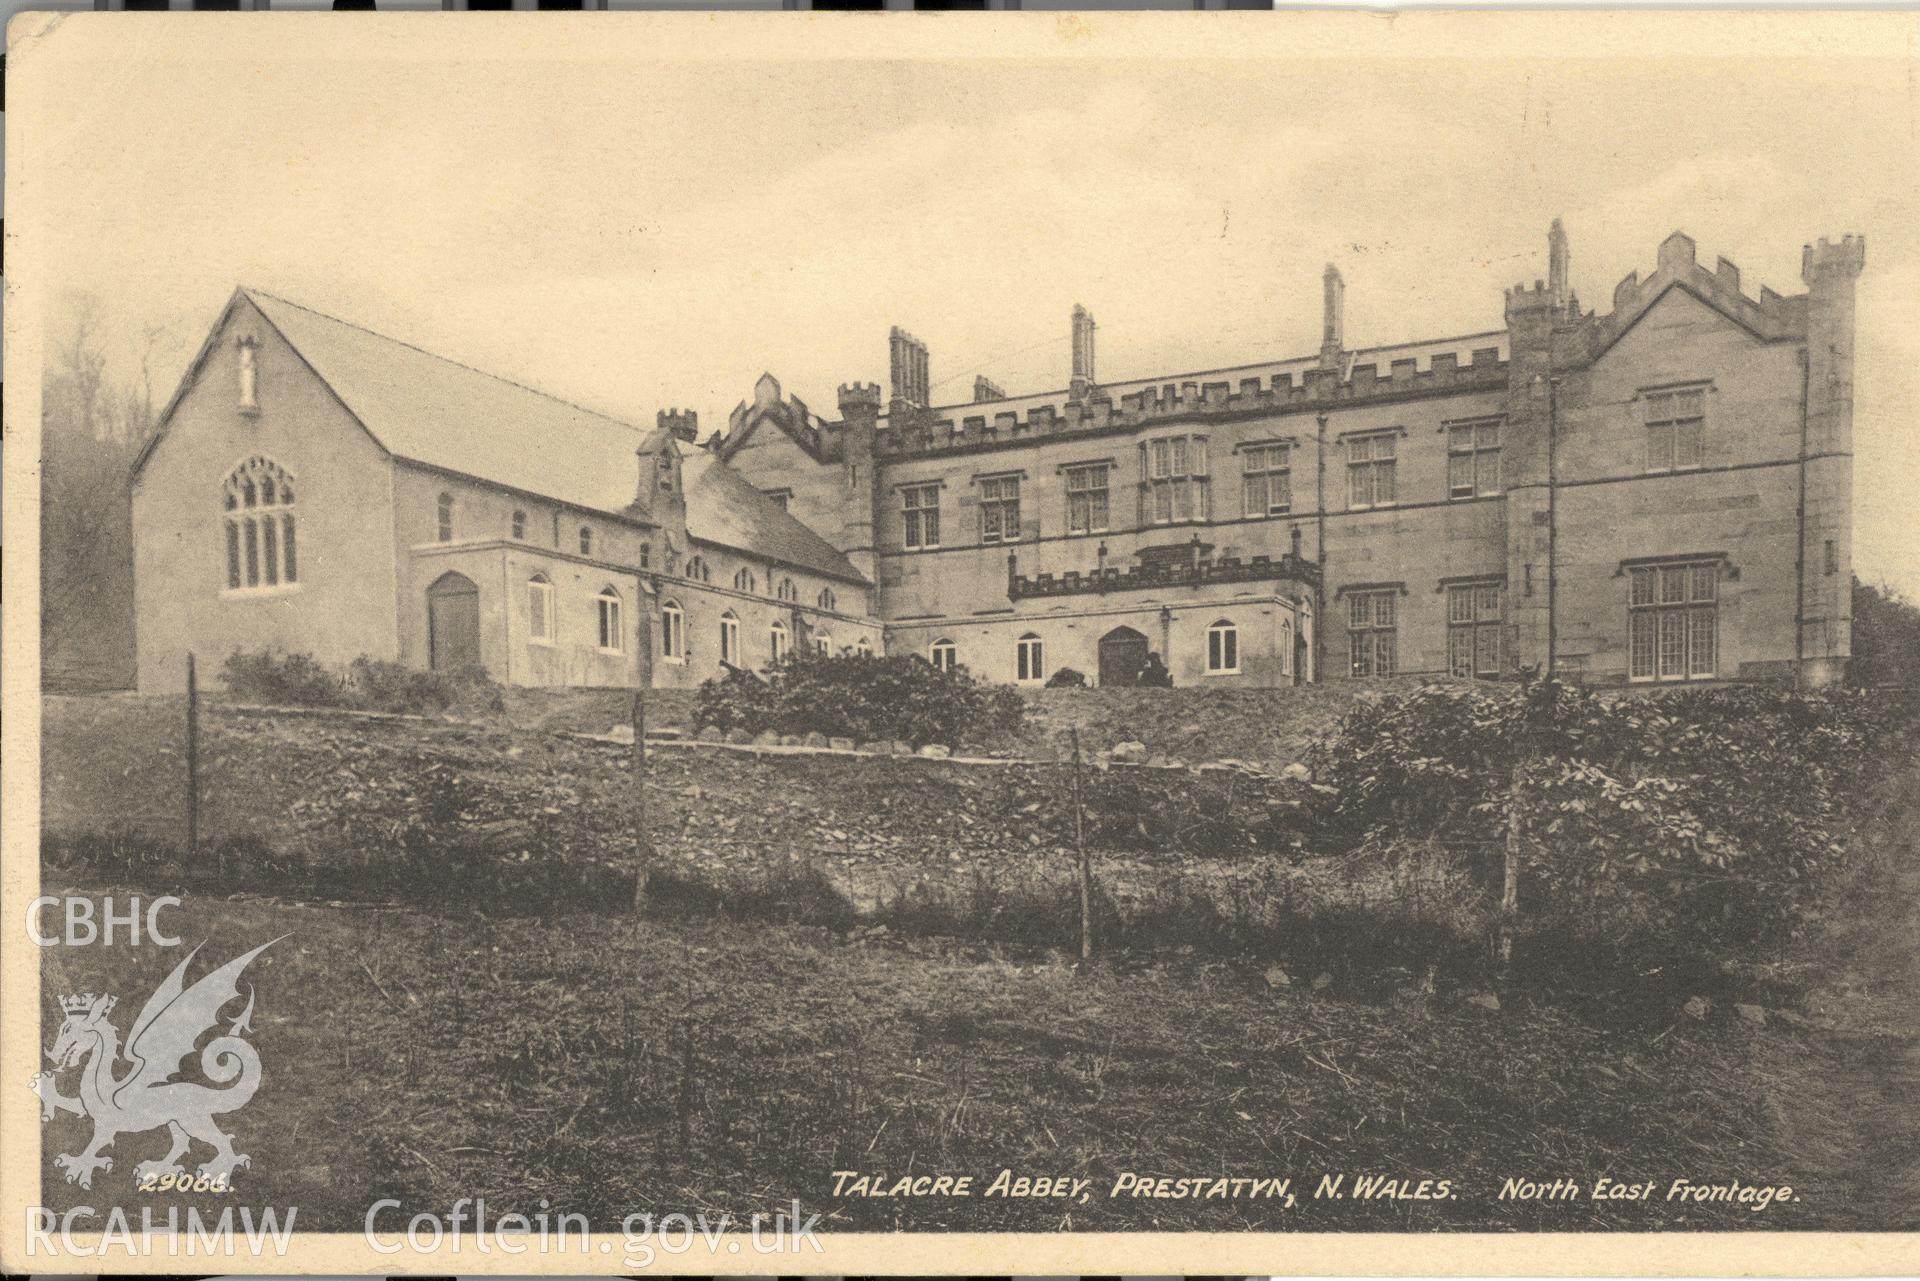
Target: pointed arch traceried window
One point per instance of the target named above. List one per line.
(826, 599)
(788, 591)
(730, 639)
(744, 581)
(259, 526)
(823, 642)
(779, 640)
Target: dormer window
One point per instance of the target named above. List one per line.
(249, 376)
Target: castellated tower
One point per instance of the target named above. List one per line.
(1826, 554)
(860, 410)
(1525, 466)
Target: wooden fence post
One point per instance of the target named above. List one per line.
(1086, 862)
(642, 845)
(1510, 880)
(193, 761)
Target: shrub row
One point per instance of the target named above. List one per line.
(1713, 816)
(860, 696)
(299, 680)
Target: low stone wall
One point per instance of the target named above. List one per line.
(1265, 729)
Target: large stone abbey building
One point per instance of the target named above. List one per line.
(1660, 492)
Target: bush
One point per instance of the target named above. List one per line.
(395, 687)
(282, 680)
(1710, 816)
(862, 697)
(1067, 678)
(298, 680)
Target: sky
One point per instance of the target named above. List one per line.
(636, 224)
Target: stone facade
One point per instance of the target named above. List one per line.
(378, 548)
(1652, 494)
(1659, 493)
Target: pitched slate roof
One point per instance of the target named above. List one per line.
(431, 410)
(723, 508)
(427, 409)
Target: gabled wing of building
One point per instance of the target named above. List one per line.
(725, 509)
(430, 410)
(427, 409)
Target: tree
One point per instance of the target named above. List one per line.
(93, 426)
(1886, 636)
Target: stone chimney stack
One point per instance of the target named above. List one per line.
(683, 423)
(1333, 313)
(985, 389)
(1084, 377)
(1559, 262)
(908, 364)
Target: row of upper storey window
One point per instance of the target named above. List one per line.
(1177, 484)
(694, 568)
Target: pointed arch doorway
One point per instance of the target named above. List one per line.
(1123, 652)
(453, 623)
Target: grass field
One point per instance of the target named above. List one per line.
(689, 1060)
(620, 1065)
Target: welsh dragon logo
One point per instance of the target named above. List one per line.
(145, 1097)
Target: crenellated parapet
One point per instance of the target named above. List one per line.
(1769, 316)
(1179, 573)
(1307, 390)
(855, 396)
(1829, 260)
(1537, 299)
(788, 413)
(683, 424)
